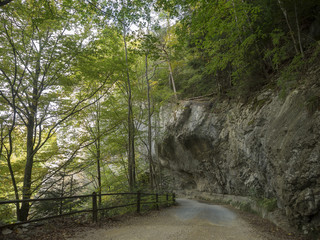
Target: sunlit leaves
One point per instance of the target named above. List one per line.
(41, 81)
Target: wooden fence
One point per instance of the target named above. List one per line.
(95, 208)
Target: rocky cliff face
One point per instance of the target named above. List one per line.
(269, 148)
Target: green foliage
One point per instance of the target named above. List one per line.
(280, 52)
(237, 45)
(269, 204)
(41, 87)
(313, 104)
(291, 75)
(7, 214)
(224, 36)
(244, 207)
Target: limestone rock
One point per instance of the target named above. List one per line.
(269, 148)
(6, 231)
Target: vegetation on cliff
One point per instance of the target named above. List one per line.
(236, 47)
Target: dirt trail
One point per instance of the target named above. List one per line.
(189, 220)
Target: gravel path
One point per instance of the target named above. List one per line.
(189, 220)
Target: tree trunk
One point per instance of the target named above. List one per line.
(99, 153)
(168, 56)
(284, 11)
(151, 176)
(9, 153)
(298, 29)
(62, 192)
(131, 154)
(236, 19)
(158, 173)
(71, 192)
(99, 171)
(172, 81)
(26, 191)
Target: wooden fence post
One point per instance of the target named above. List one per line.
(138, 201)
(167, 199)
(94, 208)
(157, 201)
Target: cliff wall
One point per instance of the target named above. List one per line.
(266, 149)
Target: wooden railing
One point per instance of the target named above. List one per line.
(140, 200)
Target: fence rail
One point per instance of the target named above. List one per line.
(95, 208)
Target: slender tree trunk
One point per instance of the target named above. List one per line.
(10, 132)
(99, 171)
(151, 177)
(62, 192)
(99, 153)
(131, 154)
(298, 29)
(158, 175)
(26, 191)
(71, 192)
(9, 154)
(172, 80)
(168, 55)
(236, 19)
(284, 11)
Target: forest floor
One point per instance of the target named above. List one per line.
(188, 220)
